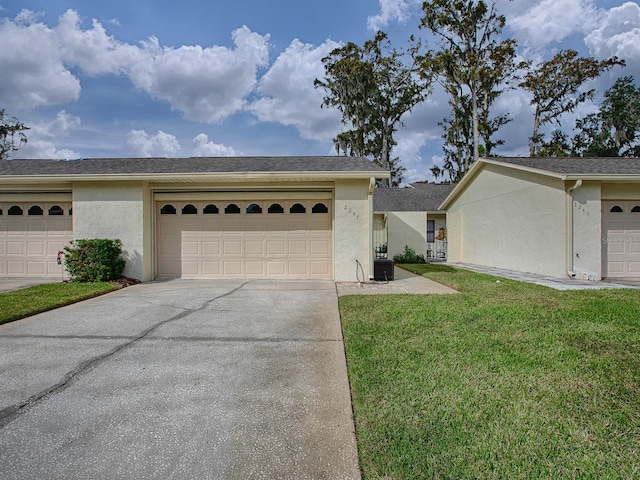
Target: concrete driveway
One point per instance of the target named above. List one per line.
(180, 379)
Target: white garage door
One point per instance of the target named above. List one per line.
(244, 239)
(31, 235)
(621, 238)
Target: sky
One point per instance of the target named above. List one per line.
(142, 78)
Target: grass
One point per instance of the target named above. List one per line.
(19, 304)
(505, 380)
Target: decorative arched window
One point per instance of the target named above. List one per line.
(15, 210)
(254, 208)
(0, 211)
(210, 209)
(56, 210)
(275, 208)
(616, 209)
(319, 208)
(35, 210)
(70, 211)
(168, 210)
(189, 209)
(297, 208)
(636, 209)
(232, 208)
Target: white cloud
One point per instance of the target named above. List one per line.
(94, 51)
(202, 147)
(32, 73)
(205, 84)
(618, 33)
(549, 21)
(390, 10)
(289, 97)
(140, 144)
(43, 138)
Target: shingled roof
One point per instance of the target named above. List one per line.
(573, 166)
(193, 165)
(427, 198)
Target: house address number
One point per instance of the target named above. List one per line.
(581, 208)
(351, 211)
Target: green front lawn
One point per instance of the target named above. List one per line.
(505, 380)
(29, 301)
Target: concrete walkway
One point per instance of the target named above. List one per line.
(404, 282)
(555, 283)
(180, 380)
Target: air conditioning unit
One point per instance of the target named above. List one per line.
(382, 270)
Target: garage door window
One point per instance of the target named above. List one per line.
(319, 208)
(616, 209)
(254, 208)
(189, 210)
(297, 208)
(276, 208)
(56, 210)
(35, 210)
(210, 209)
(636, 209)
(15, 210)
(168, 210)
(232, 208)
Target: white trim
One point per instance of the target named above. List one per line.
(273, 195)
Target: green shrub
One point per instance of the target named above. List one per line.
(94, 260)
(409, 256)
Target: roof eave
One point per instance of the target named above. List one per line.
(215, 176)
(462, 184)
(602, 178)
(539, 171)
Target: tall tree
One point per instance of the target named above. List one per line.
(615, 129)
(558, 145)
(10, 128)
(472, 65)
(373, 86)
(555, 87)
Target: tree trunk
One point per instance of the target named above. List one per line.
(534, 138)
(476, 133)
(384, 159)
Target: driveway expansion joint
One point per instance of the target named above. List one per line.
(10, 413)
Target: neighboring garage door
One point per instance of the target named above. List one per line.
(31, 235)
(621, 238)
(244, 239)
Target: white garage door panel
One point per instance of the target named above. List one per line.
(245, 245)
(29, 244)
(621, 238)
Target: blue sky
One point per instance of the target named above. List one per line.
(232, 77)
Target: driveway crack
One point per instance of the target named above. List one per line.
(10, 413)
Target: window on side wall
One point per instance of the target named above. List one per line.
(431, 231)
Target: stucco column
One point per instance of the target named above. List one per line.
(116, 210)
(353, 251)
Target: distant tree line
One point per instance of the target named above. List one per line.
(373, 86)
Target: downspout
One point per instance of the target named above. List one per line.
(372, 186)
(569, 229)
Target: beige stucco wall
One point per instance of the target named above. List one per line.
(586, 257)
(511, 219)
(407, 228)
(353, 227)
(116, 210)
